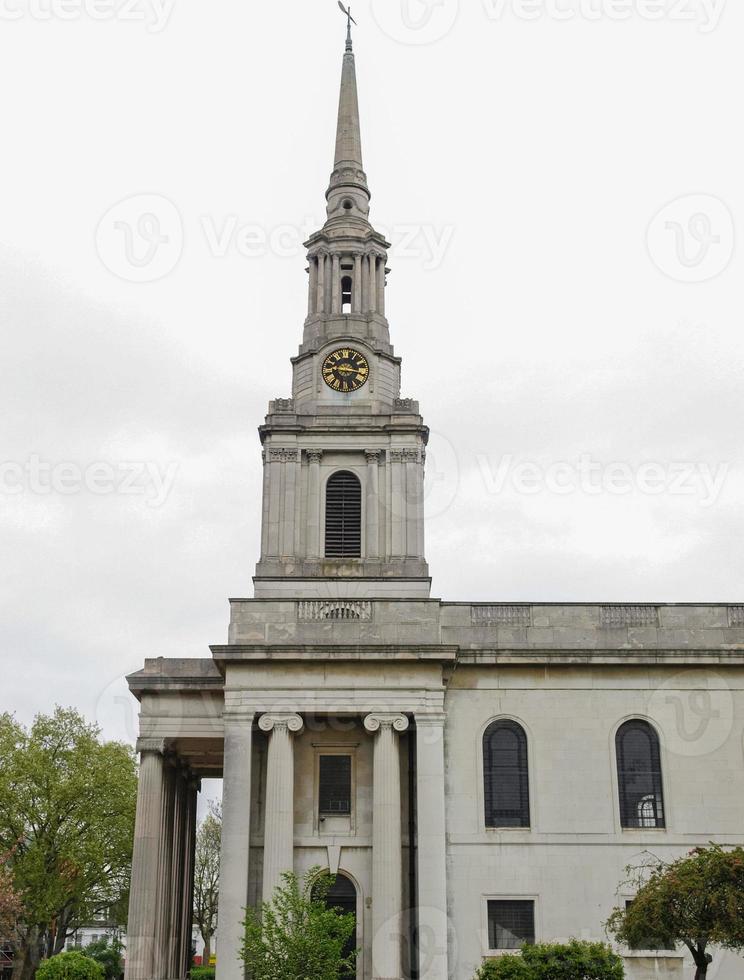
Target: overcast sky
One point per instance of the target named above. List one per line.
(562, 185)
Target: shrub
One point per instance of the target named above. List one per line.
(202, 973)
(70, 966)
(572, 961)
(107, 952)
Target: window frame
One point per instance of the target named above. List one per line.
(336, 748)
(334, 471)
(658, 828)
(486, 950)
(531, 797)
(335, 755)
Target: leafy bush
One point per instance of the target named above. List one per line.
(573, 961)
(107, 952)
(202, 972)
(70, 966)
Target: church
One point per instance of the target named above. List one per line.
(476, 775)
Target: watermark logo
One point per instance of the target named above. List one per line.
(706, 14)
(692, 239)
(154, 14)
(67, 479)
(415, 21)
(695, 710)
(592, 478)
(140, 239)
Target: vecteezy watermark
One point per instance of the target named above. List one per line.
(415, 21)
(140, 239)
(592, 477)
(43, 478)
(705, 13)
(154, 14)
(692, 238)
(695, 710)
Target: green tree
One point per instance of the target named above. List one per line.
(11, 906)
(207, 876)
(296, 936)
(697, 900)
(67, 805)
(70, 966)
(556, 961)
(107, 952)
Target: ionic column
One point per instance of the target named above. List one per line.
(320, 304)
(279, 822)
(372, 292)
(373, 503)
(187, 906)
(314, 457)
(143, 896)
(397, 504)
(177, 875)
(357, 298)
(164, 915)
(313, 289)
(236, 816)
(381, 286)
(387, 857)
(431, 865)
(336, 285)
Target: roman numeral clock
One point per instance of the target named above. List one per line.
(345, 370)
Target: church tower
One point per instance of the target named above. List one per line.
(343, 486)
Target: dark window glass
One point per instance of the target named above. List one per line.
(346, 287)
(335, 784)
(506, 775)
(511, 924)
(343, 529)
(639, 776)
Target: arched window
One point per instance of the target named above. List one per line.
(639, 776)
(343, 522)
(342, 898)
(346, 285)
(506, 775)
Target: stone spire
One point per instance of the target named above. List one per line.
(348, 194)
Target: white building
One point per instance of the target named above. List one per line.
(478, 775)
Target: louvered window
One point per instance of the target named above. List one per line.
(506, 775)
(639, 776)
(334, 796)
(511, 924)
(343, 532)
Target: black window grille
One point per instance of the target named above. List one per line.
(639, 776)
(506, 775)
(511, 924)
(343, 523)
(334, 796)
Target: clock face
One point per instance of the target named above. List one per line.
(345, 370)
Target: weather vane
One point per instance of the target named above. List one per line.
(347, 12)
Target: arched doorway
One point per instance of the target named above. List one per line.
(343, 896)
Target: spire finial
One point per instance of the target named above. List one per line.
(350, 21)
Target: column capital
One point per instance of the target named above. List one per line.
(373, 455)
(314, 455)
(381, 720)
(160, 746)
(292, 722)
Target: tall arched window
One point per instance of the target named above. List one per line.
(639, 775)
(346, 287)
(343, 524)
(506, 775)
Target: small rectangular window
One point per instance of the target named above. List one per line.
(334, 795)
(511, 924)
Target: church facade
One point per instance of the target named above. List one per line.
(476, 775)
